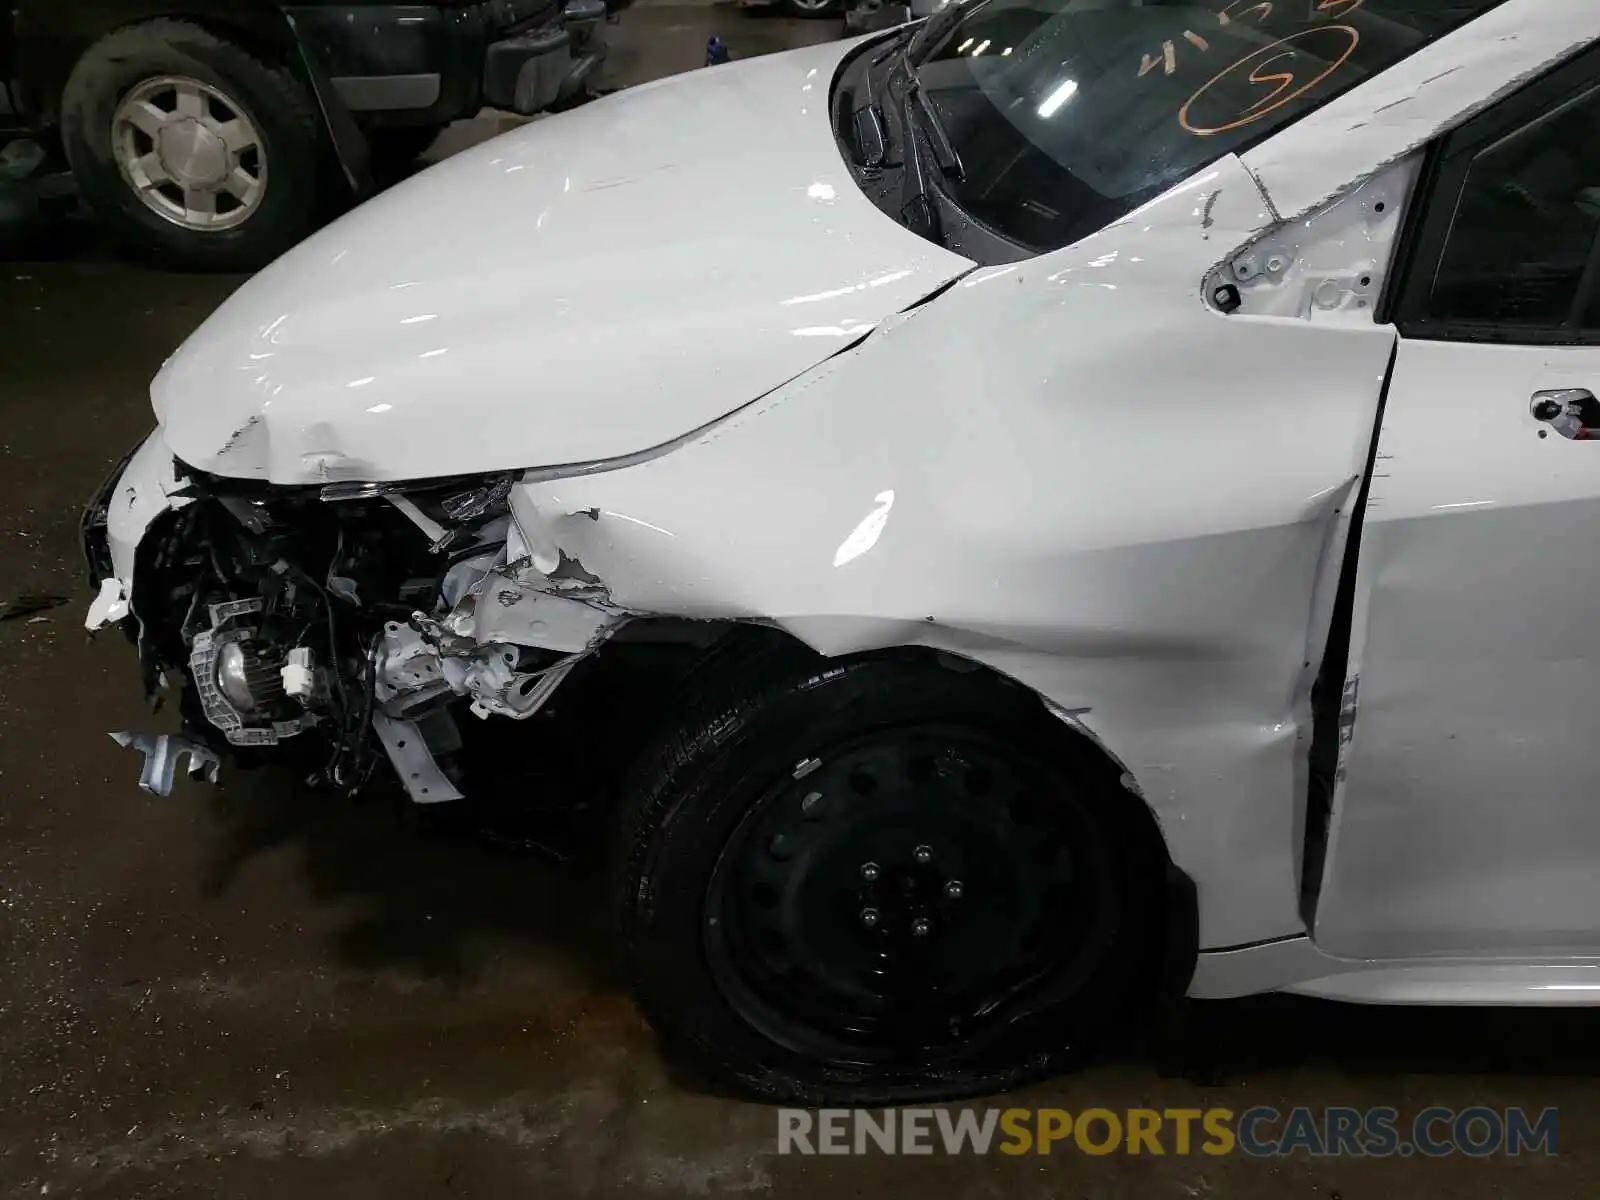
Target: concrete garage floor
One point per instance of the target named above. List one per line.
(254, 991)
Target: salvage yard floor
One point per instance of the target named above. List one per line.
(256, 991)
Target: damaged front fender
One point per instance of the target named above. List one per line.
(116, 521)
(1146, 540)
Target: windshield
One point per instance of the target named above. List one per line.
(1067, 114)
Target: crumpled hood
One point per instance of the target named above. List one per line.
(588, 286)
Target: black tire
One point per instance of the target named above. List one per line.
(277, 103)
(691, 922)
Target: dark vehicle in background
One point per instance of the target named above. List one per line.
(217, 133)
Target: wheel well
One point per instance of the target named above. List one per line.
(1172, 959)
(708, 639)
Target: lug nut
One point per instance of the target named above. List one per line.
(923, 853)
(953, 889)
(920, 927)
(870, 872)
(869, 917)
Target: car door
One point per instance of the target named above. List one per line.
(1468, 817)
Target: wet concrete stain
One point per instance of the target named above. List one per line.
(254, 990)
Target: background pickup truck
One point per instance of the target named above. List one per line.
(217, 133)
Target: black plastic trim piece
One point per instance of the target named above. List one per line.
(1256, 945)
(388, 93)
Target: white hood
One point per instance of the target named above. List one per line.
(588, 286)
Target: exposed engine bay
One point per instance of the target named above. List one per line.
(337, 625)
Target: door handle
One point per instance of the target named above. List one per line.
(1574, 413)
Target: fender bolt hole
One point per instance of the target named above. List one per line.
(862, 783)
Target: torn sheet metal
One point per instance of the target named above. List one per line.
(110, 605)
(163, 754)
(145, 489)
(408, 749)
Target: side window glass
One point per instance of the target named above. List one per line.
(1526, 225)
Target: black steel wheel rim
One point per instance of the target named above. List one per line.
(907, 893)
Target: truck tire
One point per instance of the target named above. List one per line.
(882, 880)
(192, 149)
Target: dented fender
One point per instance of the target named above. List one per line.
(1031, 511)
(143, 491)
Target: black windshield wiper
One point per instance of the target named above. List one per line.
(943, 148)
(917, 212)
(928, 36)
(913, 52)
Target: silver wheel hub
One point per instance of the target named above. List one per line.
(191, 153)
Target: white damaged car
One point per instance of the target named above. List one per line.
(1125, 462)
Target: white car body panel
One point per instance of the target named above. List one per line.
(1467, 821)
(604, 299)
(144, 491)
(1297, 965)
(1008, 474)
